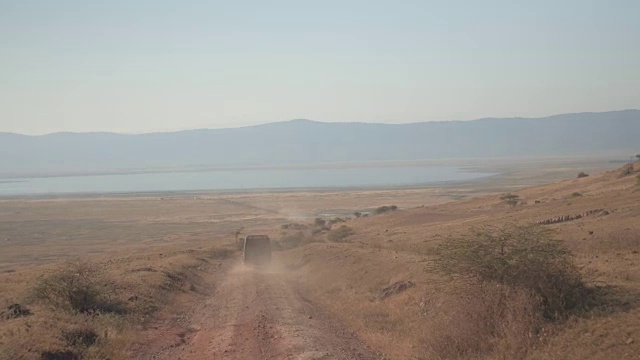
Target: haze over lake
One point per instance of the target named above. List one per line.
(382, 175)
(308, 143)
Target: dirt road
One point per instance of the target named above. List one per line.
(261, 314)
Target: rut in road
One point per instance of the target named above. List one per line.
(260, 314)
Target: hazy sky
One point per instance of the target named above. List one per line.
(152, 65)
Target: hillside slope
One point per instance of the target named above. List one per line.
(348, 278)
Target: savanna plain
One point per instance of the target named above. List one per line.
(536, 262)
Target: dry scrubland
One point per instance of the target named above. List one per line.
(146, 261)
(437, 316)
(97, 308)
(117, 276)
(40, 231)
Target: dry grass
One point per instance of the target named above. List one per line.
(440, 318)
(512, 281)
(92, 309)
(139, 242)
(620, 241)
(78, 286)
(47, 231)
(627, 170)
(482, 320)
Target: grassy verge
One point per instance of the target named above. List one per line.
(94, 309)
(491, 293)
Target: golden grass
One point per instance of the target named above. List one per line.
(159, 256)
(145, 287)
(435, 319)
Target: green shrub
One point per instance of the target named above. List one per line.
(321, 224)
(334, 221)
(291, 241)
(384, 209)
(576, 194)
(510, 199)
(627, 170)
(77, 286)
(340, 234)
(520, 257)
(582, 174)
(508, 196)
(293, 226)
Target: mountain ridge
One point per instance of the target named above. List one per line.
(303, 141)
(310, 121)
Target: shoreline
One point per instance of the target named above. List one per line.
(494, 175)
(452, 184)
(466, 164)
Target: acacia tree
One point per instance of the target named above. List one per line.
(510, 199)
(525, 257)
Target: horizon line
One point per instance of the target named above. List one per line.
(311, 121)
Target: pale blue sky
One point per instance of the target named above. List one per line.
(151, 65)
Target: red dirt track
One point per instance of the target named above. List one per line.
(261, 314)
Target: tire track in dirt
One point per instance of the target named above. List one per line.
(260, 314)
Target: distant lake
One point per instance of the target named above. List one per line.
(371, 176)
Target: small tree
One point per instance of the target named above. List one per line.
(357, 214)
(638, 156)
(340, 234)
(582, 174)
(520, 257)
(510, 199)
